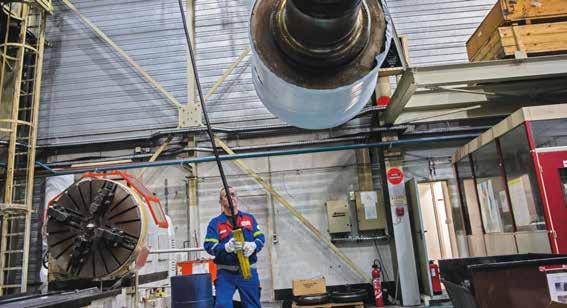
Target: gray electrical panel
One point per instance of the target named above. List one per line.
(370, 211)
(338, 216)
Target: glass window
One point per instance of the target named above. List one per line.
(550, 133)
(522, 180)
(492, 197)
(468, 197)
(563, 179)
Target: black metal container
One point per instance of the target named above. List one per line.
(192, 291)
(499, 281)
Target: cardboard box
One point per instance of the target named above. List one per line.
(301, 287)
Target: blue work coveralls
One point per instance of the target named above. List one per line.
(219, 232)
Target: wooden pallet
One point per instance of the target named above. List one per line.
(523, 19)
(331, 305)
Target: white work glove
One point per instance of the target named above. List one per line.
(232, 246)
(249, 248)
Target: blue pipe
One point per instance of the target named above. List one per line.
(261, 154)
(44, 166)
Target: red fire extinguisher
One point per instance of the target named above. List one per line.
(435, 278)
(377, 284)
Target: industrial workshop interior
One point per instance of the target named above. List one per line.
(283, 153)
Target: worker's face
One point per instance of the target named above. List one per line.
(224, 201)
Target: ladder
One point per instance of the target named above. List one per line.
(21, 59)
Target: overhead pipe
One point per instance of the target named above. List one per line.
(259, 128)
(111, 159)
(216, 129)
(288, 144)
(205, 149)
(44, 166)
(261, 154)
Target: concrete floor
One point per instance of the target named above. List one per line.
(279, 305)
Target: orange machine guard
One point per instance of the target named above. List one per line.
(152, 201)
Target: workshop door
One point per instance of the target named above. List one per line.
(553, 186)
(418, 235)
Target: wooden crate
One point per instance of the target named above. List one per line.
(484, 33)
(519, 10)
(546, 38)
(509, 13)
(331, 305)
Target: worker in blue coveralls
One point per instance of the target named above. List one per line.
(220, 243)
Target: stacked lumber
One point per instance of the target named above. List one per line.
(520, 28)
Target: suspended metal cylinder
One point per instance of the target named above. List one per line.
(315, 62)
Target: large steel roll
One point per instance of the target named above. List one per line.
(315, 62)
(96, 228)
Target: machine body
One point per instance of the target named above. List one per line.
(97, 227)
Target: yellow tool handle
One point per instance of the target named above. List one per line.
(242, 259)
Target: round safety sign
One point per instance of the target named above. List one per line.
(395, 176)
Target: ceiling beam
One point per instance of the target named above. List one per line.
(470, 77)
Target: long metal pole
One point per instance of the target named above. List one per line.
(261, 154)
(206, 116)
(195, 249)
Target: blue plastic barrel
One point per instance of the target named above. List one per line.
(192, 291)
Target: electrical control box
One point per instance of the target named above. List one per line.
(370, 210)
(338, 216)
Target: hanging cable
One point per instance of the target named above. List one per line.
(237, 233)
(206, 116)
